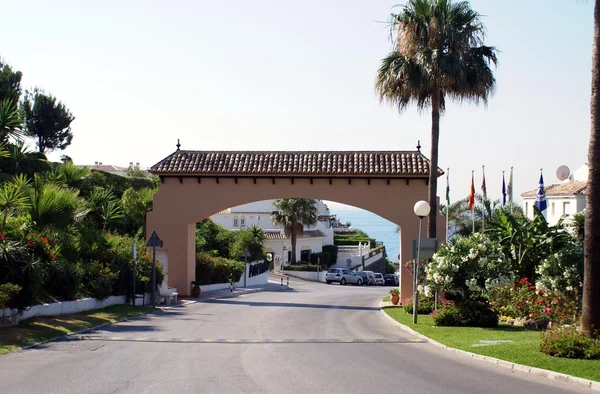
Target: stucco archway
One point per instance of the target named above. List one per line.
(196, 184)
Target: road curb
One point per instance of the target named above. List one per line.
(591, 384)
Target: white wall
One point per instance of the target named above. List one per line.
(556, 207)
(316, 276)
(62, 308)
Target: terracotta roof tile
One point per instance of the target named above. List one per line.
(561, 189)
(361, 163)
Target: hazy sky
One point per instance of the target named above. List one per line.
(289, 75)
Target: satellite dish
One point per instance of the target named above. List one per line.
(563, 173)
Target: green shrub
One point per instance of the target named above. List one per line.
(8, 293)
(569, 343)
(63, 279)
(426, 305)
(332, 250)
(321, 258)
(210, 270)
(447, 316)
(98, 280)
(354, 239)
(302, 267)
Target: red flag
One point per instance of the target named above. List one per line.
(472, 195)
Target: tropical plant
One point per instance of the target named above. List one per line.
(527, 242)
(68, 173)
(578, 226)
(53, 205)
(251, 239)
(10, 121)
(12, 198)
(293, 214)
(135, 204)
(438, 54)
(21, 155)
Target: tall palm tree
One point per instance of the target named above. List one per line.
(293, 214)
(590, 317)
(438, 53)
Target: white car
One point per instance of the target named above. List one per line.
(379, 280)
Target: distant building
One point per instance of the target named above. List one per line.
(564, 199)
(277, 242)
(111, 169)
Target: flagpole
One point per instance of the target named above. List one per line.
(483, 198)
(510, 192)
(473, 206)
(447, 200)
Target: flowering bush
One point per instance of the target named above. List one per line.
(569, 343)
(470, 266)
(562, 272)
(523, 301)
(471, 313)
(426, 305)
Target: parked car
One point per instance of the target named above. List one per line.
(379, 280)
(364, 276)
(343, 276)
(390, 280)
(371, 276)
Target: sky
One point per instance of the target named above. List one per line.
(288, 75)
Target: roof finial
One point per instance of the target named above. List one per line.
(178, 144)
(419, 146)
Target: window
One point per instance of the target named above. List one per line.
(235, 221)
(243, 222)
(567, 208)
(305, 255)
(526, 209)
(553, 209)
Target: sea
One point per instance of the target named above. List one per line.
(377, 227)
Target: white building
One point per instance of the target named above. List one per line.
(258, 213)
(564, 199)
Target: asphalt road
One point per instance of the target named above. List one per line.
(316, 338)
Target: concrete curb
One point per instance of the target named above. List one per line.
(591, 384)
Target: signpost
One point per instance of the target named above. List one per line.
(134, 258)
(246, 254)
(154, 242)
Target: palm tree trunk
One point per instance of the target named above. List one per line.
(433, 176)
(293, 233)
(590, 318)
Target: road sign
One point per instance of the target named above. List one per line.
(154, 241)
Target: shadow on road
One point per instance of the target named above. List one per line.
(291, 305)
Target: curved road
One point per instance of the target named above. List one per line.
(312, 339)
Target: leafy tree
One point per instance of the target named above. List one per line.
(135, 205)
(293, 214)
(213, 238)
(590, 317)
(10, 120)
(135, 171)
(438, 53)
(251, 239)
(47, 120)
(10, 83)
(578, 226)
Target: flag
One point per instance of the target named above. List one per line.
(509, 187)
(472, 195)
(503, 190)
(448, 187)
(483, 187)
(540, 201)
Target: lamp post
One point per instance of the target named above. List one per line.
(421, 209)
(246, 254)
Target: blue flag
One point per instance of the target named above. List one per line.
(503, 190)
(540, 201)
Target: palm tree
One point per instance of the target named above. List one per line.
(438, 53)
(11, 198)
(590, 317)
(578, 226)
(51, 205)
(293, 214)
(10, 120)
(21, 154)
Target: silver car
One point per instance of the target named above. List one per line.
(343, 276)
(379, 279)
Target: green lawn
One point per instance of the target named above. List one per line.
(42, 328)
(524, 348)
(386, 299)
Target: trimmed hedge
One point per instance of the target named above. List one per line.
(322, 259)
(332, 250)
(211, 270)
(352, 239)
(303, 267)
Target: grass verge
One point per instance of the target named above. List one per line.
(524, 347)
(39, 329)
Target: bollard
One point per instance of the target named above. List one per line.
(230, 288)
(282, 281)
(288, 281)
